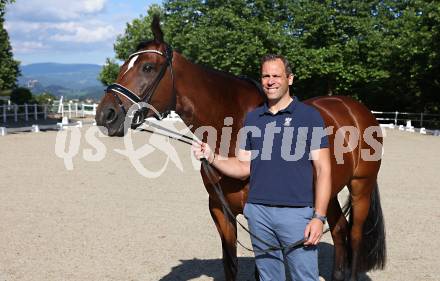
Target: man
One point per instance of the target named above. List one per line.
(281, 207)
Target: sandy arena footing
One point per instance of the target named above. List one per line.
(105, 221)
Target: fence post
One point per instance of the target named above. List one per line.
(4, 113)
(421, 120)
(15, 113)
(35, 111)
(395, 118)
(70, 110)
(76, 109)
(26, 117)
(45, 111)
(94, 109)
(82, 110)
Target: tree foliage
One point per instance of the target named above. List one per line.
(384, 53)
(44, 98)
(109, 72)
(9, 70)
(414, 60)
(21, 96)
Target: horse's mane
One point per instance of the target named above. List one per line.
(255, 83)
(144, 44)
(245, 78)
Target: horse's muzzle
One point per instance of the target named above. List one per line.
(112, 120)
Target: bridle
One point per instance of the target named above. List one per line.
(141, 113)
(139, 116)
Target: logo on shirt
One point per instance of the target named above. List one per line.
(287, 121)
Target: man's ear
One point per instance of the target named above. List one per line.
(290, 78)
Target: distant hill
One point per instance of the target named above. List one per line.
(68, 80)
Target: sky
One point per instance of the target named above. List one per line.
(66, 31)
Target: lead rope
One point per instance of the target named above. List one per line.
(218, 190)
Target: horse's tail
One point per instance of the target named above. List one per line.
(372, 253)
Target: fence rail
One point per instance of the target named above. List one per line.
(77, 110)
(27, 112)
(425, 122)
(421, 120)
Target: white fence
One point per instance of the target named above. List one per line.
(77, 110)
(36, 128)
(25, 112)
(28, 112)
(424, 123)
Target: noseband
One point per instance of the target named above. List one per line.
(139, 115)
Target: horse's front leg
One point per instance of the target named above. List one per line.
(228, 233)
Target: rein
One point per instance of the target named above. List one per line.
(218, 190)
(139, 117)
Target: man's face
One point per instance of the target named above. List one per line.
(274, 79)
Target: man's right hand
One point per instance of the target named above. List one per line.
(233, 167)
(202, 150)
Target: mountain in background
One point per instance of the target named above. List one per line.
(68, 80)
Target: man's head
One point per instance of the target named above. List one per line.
(276, 76)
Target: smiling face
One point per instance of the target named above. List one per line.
(275, 80)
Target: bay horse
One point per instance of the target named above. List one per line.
(204, 97)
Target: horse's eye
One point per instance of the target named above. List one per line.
(147, 68)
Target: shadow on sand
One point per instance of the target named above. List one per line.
(213, 268)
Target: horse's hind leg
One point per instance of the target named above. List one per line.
(361, 190)
(338, 226)
(228, 233)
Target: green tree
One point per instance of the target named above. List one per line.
(44, 98)
(227, 35)
(338, 47)
(384, 53)
(21, 96)
(414, 62)
(9, 69)
(335, 46)
(109, 72)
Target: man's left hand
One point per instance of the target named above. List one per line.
(313, 232)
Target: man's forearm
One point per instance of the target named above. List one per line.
(322, 191)
(231, 167)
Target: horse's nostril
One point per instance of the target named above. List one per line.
(110, 115)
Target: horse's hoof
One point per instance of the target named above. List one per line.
(354, 278)
(338, 276)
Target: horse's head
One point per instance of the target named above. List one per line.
(144, 87)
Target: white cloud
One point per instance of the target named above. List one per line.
(54, 10)
(83, 32)
(54, 21)
(89, 31)
(27, 46)
(68, 30)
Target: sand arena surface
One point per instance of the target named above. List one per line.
(105, 221)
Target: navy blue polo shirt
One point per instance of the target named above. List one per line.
(281, 168)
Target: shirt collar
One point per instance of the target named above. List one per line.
(289, 109)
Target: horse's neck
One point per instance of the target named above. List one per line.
(201, 94)
(206, 97)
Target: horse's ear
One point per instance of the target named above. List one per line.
(155, 28)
